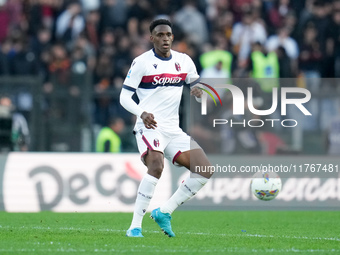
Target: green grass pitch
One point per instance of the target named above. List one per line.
(197, 232)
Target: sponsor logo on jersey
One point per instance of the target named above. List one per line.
(156, 142)
(164, 80)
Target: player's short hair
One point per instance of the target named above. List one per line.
(157, 22)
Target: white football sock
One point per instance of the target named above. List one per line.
(188, 188)
(144, 195)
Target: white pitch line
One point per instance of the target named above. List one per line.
(184, 233)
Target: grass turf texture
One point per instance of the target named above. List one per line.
(197, 232)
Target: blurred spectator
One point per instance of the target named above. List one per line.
(6, 144)
(42, 13)
(79, 60)
(4, 21)
(103, 75)
(41, 41)
(311, 56)
(23, 61)
(264, 67)
(11, 17)
(122, 56)
(87, 50)
(90, 5)
(92, 28)
(223, 24)
(283, 39)
(113, 13)
(6, 47)
(166, 7)
(138, 11)
(278, 13)
(20, 135)
(245, 33)
(70, 23)
(108, 40)
(333, 137)
(192, 22)
(289, 44)
(216, 9)
(108, 139)
(320, 20)
(333, 45)
(59, 65)
(103, 72)
(290, 22)
(285, 63)
(217, 62)
(215, 71)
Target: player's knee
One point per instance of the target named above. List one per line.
(155, 168)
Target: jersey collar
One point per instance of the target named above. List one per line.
(161, 58)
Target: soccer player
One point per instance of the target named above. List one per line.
(158, 76)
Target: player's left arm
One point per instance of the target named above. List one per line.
(193, 80)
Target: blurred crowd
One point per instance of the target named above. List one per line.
(54, 38)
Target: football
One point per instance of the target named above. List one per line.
(265, 185)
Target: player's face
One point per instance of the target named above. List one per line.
(162, 38)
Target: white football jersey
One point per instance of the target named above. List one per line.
(158, 83)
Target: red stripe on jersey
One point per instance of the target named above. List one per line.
(147, 143)
(166, 78)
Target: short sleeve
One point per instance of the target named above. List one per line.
(135, 75)
(192, 74)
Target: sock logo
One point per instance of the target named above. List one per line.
(193, 193)
(143, 195)
(144, 210)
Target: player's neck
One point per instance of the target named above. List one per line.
(161, 54)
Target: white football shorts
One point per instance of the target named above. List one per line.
(170, 144)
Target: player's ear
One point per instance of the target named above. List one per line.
(151, 38)
(172, 37)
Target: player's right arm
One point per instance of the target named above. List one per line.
(131, 83)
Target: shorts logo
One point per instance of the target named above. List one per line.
(156, 142)
(178, 67)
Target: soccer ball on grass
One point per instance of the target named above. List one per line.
(265, 185)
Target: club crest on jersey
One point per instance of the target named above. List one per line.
(156, 142)
(178, 67)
